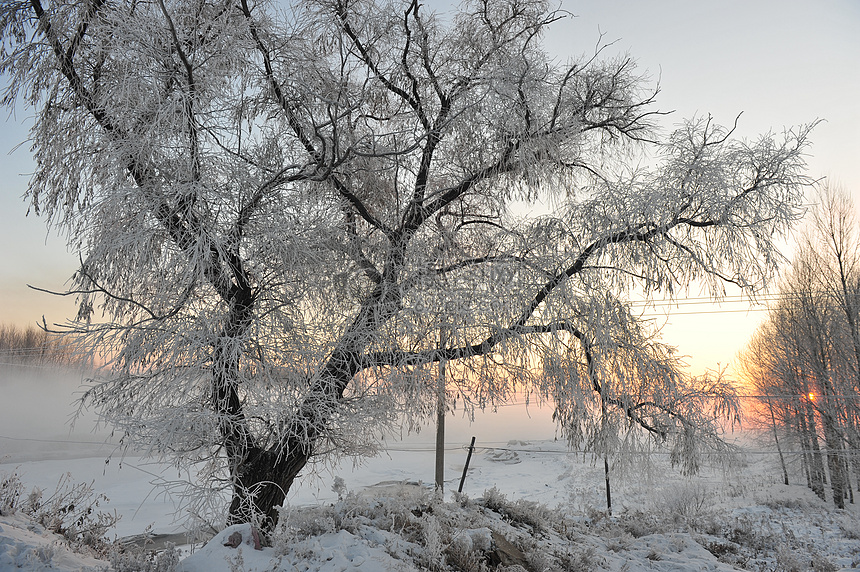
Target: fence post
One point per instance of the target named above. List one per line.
(466, 468)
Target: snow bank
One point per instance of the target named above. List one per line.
(28, 546)
(234, 546)
(338, 551)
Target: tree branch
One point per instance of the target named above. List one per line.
(409, 99)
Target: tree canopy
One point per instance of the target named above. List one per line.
(278, 207)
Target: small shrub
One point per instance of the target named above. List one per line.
(687, 504)
(787, 561)
(462, 500)
(70, 511)
(784, 503)
(138, 560)
(539, 559)
(433, 543)
(595, 515)
(11, 489)
(708, 525)
(721, 549)
(620, 542)
(300, 524)
(521, 511)
(679, 544)
(578, 560)
(850, 528)
(755, 536)
(821, 564)
(462, 555)
(495, 500)
(639, 524)
(339, 487)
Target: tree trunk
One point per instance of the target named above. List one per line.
(816, 465)
(261, 484)
(605, 455)
(262, 478)
(833, 440)
(852, 458)
(776, 440)
(798, 428)
(834, 464)
(846, 470)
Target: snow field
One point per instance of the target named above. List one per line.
(547, 502)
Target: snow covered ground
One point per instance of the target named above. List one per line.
(523, 490)
(743, 517)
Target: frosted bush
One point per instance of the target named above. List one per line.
(850, 528)
(521, 511)
(11, 488)
(300, 524)
(122, 560)
(462, 555)
(433, 543)
(638, 523)
(495, 499)
(573, 560)
(686, 504)
(339, 488)
(71, 510)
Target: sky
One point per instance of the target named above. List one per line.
(779, 63)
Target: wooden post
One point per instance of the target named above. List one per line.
(608, 490)
(466, 468)
(440, 418)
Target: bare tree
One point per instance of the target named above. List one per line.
(807, 351)
(277, 208)
(835, 228)
(813, 332)
(770, 409)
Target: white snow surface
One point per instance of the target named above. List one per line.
(339, 551)
(25, 545)
(722, 519)
(544, 499)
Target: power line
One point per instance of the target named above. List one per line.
(57, 365)
(816, 397)
(670, 314)
(425, 448)
(59, 441)
(643, 453)
(734, 299)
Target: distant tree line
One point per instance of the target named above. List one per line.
(34, 346)
(804, 360)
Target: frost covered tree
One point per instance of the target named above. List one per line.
(805, 358)
(278, 207)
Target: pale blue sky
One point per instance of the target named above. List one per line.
(781, 63)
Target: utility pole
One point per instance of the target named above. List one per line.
(440, 416)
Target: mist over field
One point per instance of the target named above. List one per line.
(39, 404)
